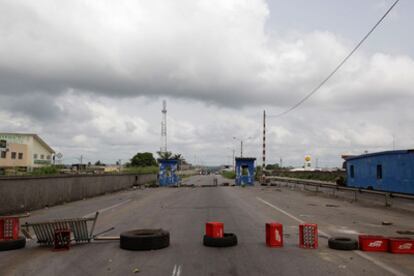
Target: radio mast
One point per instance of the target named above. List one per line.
(163, 147)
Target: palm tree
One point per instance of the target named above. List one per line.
(180, 159)
(164, 154)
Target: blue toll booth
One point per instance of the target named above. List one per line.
(167, 175)
(245, 171)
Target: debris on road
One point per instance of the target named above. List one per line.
(342, 243)
(308, 235)
(9, 234)
(405, 232)
(135, 270)
(228, 239)
(331, 205)
(44, 231)
(145, 239)
(386, 222)
(373, 243)
(274, 234)
(215, 236)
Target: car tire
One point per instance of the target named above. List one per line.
(145, 239)
(228, 239)
(12, 244)
(342, 243)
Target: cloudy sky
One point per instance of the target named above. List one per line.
(89, 77)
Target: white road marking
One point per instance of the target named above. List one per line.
(379, 263)
(359, 253)
(176, 270)
(107, 208)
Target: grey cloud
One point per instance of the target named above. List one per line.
(88, 76)
(209, 58)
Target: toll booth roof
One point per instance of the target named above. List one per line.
(245, 159)
(167, 160)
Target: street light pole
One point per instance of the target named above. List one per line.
(241, 144)
(233, 158)
(241, 148)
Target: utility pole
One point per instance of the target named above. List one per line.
(81, 162)
(264, 141)
(233, 159)
(163, 148)
(241, 148)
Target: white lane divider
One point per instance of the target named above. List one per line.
(107, 208)
(359, 253)
(176, 270)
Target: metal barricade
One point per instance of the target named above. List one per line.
(45, 231)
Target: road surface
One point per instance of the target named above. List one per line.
(244, 211)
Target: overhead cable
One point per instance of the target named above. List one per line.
(336, 68)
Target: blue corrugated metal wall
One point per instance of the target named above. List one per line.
(397, 171)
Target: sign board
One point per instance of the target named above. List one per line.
(42, 162)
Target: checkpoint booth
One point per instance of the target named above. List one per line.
(245, 170)
(168, 172)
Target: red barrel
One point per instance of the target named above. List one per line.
(9, 228)
(274, 234)
(402, 245)
(214, 229)
(373, 243)
(308, 235)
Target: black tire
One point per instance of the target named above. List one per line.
(341, 243)
(145, 239)
(12, 244)
(228, 239)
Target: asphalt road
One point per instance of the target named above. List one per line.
(244, 211)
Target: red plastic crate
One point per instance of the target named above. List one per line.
(308, 235)
(274, 234)
(373, 243)
(62, 239)
(9, 228)
(214, 229)
(402, 245)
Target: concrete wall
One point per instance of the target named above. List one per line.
(20, 194)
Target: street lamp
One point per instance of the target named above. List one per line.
(233, 151)
(241, 144)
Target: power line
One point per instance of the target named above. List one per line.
(337, 67)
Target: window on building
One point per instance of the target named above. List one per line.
(48, 157)
(379, 171)
(35, 156)
(3, 154)
(20, 155)
(352, 171)
(13, 155)
(42, 156)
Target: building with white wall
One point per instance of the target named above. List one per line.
(24, 151)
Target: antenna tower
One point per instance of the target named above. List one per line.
(264, 141)
(164, 127)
